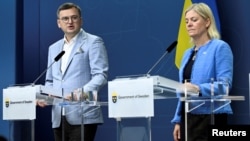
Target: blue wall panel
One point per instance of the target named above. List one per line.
(236, 31)
(7, 56)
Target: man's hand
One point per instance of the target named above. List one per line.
(41, 103)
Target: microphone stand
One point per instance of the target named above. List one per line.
(169, 49)
(34, 82)
(156, 63)
(59, 56)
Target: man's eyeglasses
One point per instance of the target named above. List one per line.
(74, 19)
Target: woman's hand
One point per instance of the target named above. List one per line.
(192, 88)
(177, 132)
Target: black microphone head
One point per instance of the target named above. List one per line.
(171, 47)
(59, 55)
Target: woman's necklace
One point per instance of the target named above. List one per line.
(194, 56)
(196, 50)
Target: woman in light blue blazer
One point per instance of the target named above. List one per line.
(209, 60)
(84, 65)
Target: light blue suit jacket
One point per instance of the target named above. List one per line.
(87, 68)
(213, 60)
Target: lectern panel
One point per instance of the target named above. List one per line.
(131, 98)
(19, 103)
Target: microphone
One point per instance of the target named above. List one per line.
(168, 50)
(171, 47)
(58, 57)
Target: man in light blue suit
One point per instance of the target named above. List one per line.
(84, 65)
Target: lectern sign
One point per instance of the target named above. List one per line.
(19, 103)
(131, 97)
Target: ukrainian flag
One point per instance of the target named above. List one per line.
(183, 38)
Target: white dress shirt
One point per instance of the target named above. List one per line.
(67, 47)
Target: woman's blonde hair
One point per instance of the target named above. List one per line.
(206, 13)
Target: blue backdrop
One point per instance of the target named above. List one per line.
(136, 34)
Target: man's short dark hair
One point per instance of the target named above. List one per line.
(68, 5)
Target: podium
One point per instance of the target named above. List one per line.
(18, 98)
(19, 102)
(133, 97)
(83, 103)
(214, 102)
